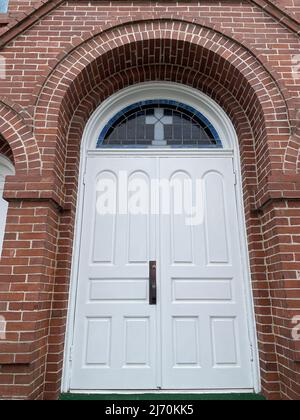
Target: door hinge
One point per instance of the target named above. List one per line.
(252, 352)
(84, 179)
(71, 354)
(235, 178)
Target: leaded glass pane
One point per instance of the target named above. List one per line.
(159, 124)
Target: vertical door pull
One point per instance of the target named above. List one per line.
(152, 283)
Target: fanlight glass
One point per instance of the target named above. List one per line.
(159, 123)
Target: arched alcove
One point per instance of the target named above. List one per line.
(208, 160)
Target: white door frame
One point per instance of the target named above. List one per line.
(211, 110)
(6, 168)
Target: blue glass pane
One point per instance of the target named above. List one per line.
(160, 123)
(3, 6)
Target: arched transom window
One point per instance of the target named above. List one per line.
(159, 123)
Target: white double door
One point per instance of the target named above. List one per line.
(196, 336)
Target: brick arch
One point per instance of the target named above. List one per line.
(292, 154)
(20, 139)
(88, 103)
(170, 73)
(154, 18)
(114, 60)
(151, 43)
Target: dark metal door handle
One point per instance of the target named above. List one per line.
(152, 283)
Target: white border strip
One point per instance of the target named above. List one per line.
(165, 392)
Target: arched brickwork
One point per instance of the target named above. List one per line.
(236, 38)
(20, 139)
(187, 45)
(91, 70)
(87, 105)
(172, 73)
(292, 153)
(168, 51)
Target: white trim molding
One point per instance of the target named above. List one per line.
(6, 168)
(158, 91)
(219, 119)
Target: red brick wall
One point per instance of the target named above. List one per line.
(281, 226)
(16, 7)
(293, 6)
(5, 150)
(59, 71)
(28, 267)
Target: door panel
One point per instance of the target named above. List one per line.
(204, 327)
(181, 232)
(216, 218)
(115, 327)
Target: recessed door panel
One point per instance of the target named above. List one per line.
(225, 342)
(181, 203)
(137, 340)
(98, 342)
(186, 342)
(104, 233)
(139, 201)
(215, 219)
(193, 290)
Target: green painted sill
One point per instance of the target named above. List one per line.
(161, 397)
